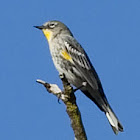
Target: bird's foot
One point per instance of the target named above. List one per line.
(83, 85)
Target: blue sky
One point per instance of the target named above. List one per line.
(108, 30)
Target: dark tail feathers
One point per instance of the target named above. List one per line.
(113, 120)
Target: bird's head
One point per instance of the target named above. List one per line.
(53, 28)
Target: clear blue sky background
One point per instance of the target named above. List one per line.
(110, 33)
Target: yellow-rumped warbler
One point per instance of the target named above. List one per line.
(71, 60)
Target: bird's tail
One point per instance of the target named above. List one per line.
(113, 120)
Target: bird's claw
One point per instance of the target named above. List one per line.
(83, 85)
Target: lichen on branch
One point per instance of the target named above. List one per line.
(69, 99)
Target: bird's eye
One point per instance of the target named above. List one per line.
(52, 25)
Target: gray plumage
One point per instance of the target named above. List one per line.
(79, 68)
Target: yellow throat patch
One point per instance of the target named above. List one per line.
(65, 55)
(47, 33)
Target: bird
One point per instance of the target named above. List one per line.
(71, 60)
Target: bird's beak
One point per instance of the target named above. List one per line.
(40, 27)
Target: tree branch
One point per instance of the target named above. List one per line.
(69, 99)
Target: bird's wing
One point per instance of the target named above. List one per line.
(81, 61)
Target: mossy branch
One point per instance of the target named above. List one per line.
(69, 99)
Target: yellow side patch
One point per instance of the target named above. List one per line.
(47, 33)
(66, 55)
